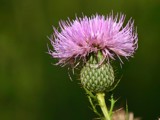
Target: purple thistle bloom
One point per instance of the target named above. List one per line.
(82, 36)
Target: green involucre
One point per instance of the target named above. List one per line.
(97, 77)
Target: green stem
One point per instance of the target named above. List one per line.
(93, 106)
(102, 104)
(112, 105)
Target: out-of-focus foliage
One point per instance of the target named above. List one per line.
(31, 88)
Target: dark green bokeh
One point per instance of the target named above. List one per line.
(31, 88)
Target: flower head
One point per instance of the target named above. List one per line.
(82, 36)
(121, 115)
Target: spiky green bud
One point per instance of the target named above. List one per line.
(97, 77)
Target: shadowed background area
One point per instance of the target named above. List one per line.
(31, 88)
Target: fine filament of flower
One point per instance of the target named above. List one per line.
(82, 36)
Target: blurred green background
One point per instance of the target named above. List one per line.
(31, 88)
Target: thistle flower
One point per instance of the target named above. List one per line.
(121, 115)
(82, 36)
(94, 41)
